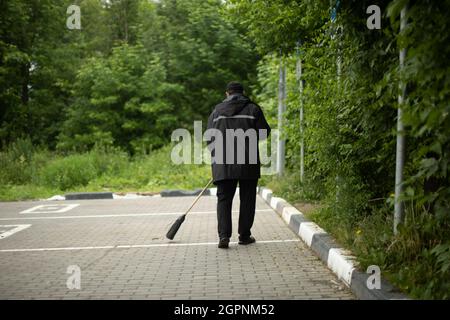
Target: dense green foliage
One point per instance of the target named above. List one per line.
(135, 71)
(123, 100)
(31, 172)
(350, 103)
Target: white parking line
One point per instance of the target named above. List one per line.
(155, 245)
(15, 228)
(119, 215)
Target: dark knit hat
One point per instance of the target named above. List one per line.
(235, 87)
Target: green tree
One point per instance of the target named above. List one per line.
(201, 49)
(25, 27)
(39, 59)
(121, 100)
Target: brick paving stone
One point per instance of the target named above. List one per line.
(191, 267)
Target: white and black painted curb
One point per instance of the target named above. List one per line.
(88, 195)
(339, 260)
(111, 195)
(190, 193)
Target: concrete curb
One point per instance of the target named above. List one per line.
(339, 260)
(111, 195)
(88, 195)
(182, 193)
(188, 193)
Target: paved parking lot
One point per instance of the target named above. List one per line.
(116, 249)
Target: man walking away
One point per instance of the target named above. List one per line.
(235, 159)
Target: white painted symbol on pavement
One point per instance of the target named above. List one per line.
(7, 230)
(51, 208)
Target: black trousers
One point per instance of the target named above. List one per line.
(247, 195)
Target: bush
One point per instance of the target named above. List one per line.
(107, 160)
(349, 99)
(417, 260)
(76, 170)
(103, 168)
(422, 247)
(15, 162)
(69, 172)
(293, 189)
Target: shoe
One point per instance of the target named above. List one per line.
(246, 240)
(223, 243)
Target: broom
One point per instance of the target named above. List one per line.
(177, 224)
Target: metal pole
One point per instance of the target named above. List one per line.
(281, 109)
(302, 146)
(335, 34)
(400, 152)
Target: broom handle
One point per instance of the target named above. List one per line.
(198, 197)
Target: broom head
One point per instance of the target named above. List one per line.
(174, 229)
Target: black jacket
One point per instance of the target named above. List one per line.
(236, 157)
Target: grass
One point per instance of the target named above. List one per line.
(27, 174)
(25, 192)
